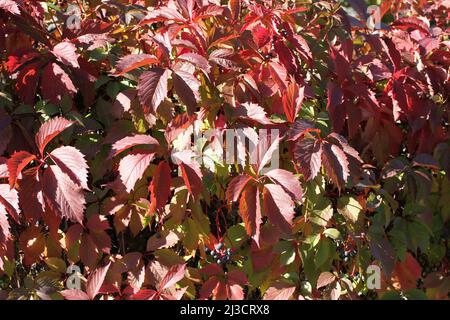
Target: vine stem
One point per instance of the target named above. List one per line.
(122, 242)
(56, 25)
(81, 6)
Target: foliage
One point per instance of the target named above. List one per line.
(94, 171)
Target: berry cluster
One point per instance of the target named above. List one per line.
(220, 254)
(346, 249)
(357, 277)
(283, 32)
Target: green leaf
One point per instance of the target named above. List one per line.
(322, 212)
(56, 264)
(312, 239)
(286, 251)
(350, 208)
(416, 294)
(8, 266)
(236, 234)
(419, 236)
(323, 253)
(391, 295)
(191, 238)
(399, 242)
(112, 89)
(332, 233)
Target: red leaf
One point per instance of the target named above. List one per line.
(353, 158)
(173, 275)
(309, 154)
(268, 145)
(207, 12)
(385, 6)
(73, 234)
(250, 211)
(237, 276)
(279, 291)
(197, 60)
(123, 102)
(278, 74)
(392, 52)
(97, 223)
(187, 87)
(5, 234)
(9, 203)
(52, 219)
(179, 124)
(209, 287)
(302, 46)
(71, 161)
(30, 196)
(88, 251)
(56, 83)
(236, 186)
(341, 64)
(96, 280)
(10, 6)
(399, 100)
(292, 100)
(64, 195)
(298, 130)
(285, 56)
(325, 278)
(152, 88)
(66, 52)
(162, 240)
(5, 133)
(234, 290)
(85, 77)
(49, 130)
(129, 142)
(408, 272)
(159, 188)
(288, 181)
(343, 143)
(235, 8)
(278, 206)
(3, 168)
(222, 57)
(133, 61)
(411, 23)
(190, 170)
(336, 164)
(74, 294)
(27, 81)
(146, 294)
(9, 199)
(335, 107)
(94, 40)
(133, 166)
(252, 112)
(17, 162)
(163, 14)
(19, 59)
